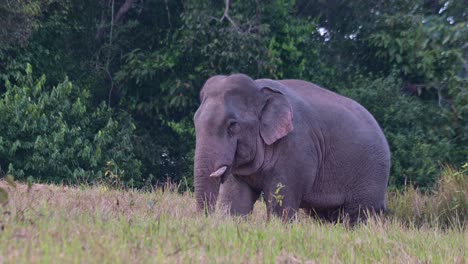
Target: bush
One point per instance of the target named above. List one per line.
(419, 132)
(53, 135)
(447, 206)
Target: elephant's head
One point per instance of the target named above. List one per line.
(237, 119)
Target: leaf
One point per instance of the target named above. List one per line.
(3, 196)
(30, 183)
(398, 58)
(11, 181)
(150, 204)
(446, 40)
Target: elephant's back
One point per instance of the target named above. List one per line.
(328, 105)
(312, 93)
(344, 119)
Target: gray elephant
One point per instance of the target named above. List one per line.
(301, 145)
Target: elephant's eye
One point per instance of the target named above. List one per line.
(233, 127)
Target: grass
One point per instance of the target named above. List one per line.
(59, 224)
(447, 206)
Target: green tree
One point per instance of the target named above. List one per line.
(404, 60)
(54, 135)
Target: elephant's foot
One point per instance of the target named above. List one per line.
(353, 215)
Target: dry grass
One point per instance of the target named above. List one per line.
(447, 206)
(57, 224)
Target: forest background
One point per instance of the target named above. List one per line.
(105, 91)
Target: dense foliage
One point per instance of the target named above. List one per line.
(55, 136)
(137, 66)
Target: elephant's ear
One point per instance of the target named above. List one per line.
(276, 120)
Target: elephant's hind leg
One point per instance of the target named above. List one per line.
(360, 209)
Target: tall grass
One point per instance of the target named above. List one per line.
(48, 223)
(446, 206)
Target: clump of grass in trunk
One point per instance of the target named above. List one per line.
(447, 206)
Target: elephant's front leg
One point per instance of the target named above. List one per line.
(236, 197)
(282, 201)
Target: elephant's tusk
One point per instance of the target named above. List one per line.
(219, 172)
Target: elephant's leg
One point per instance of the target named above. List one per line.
(360, 208)
(282, 201)
(366, 198)
(236, 197)
(330, 215)
(353, 214)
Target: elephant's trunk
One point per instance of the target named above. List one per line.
(206, 187)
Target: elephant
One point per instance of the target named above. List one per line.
(300, 145)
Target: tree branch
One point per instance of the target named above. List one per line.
(123, 10)
(168, 14)
(100, 30)
(109, 55)
(226, 15)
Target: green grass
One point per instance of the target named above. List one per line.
(56, 224)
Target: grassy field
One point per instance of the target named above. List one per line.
(57, 224)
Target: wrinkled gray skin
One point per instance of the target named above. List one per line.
(327, 151)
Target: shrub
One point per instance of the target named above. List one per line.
(446, 206)
(451, 197)
(419, 132)
(53, 135)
